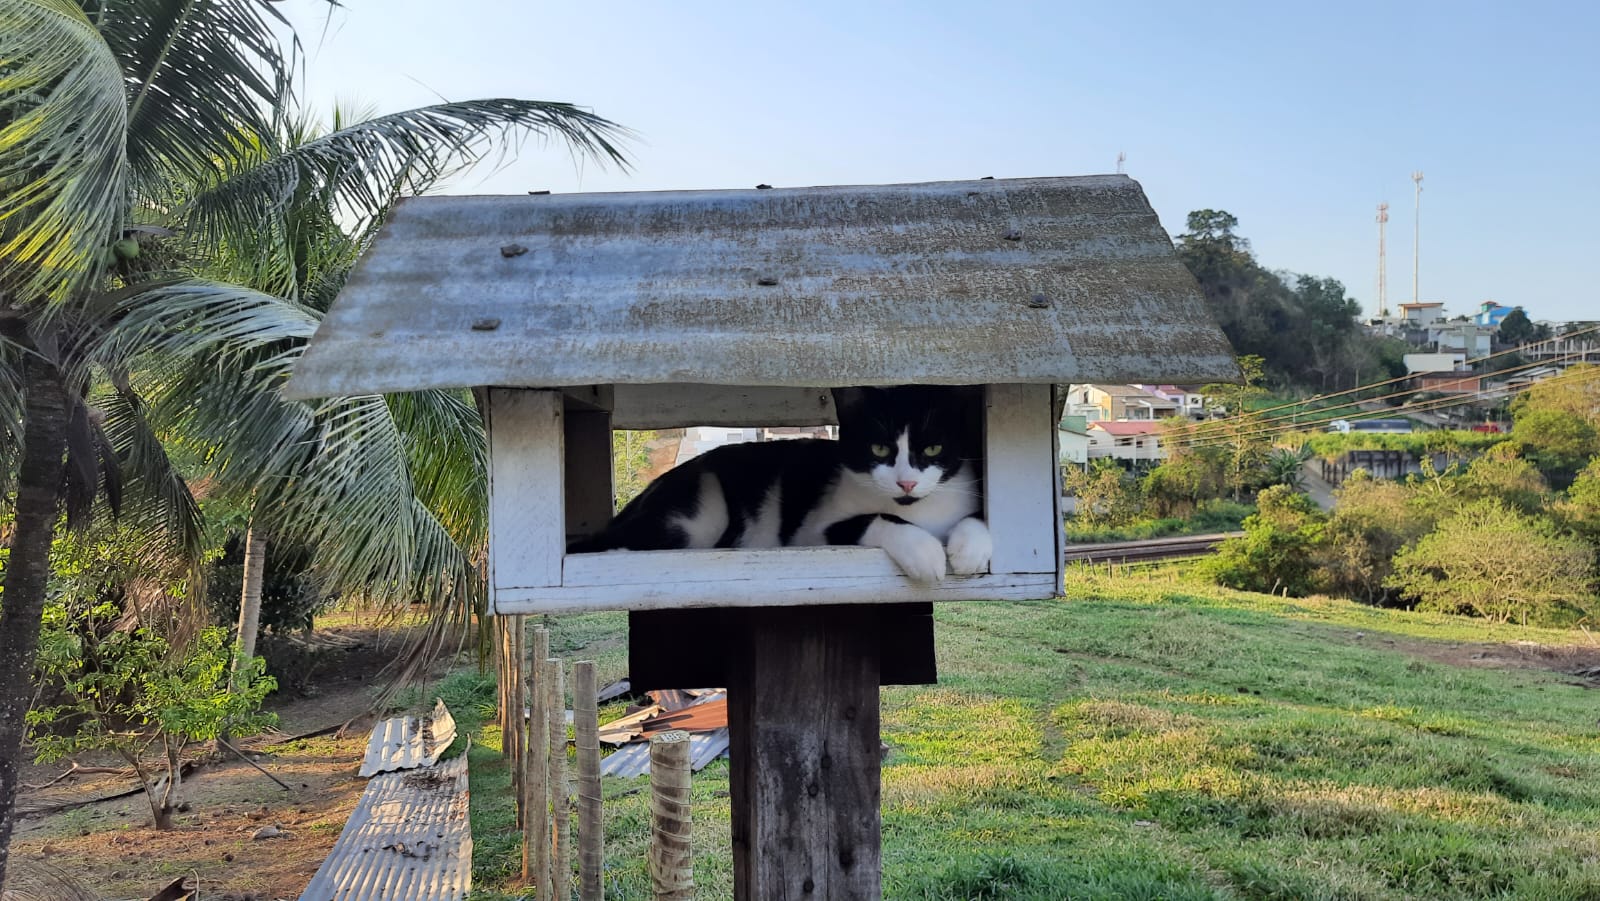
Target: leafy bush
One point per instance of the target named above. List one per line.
(1105, 495)
(1277, 552)
(1372, 520)
(291, 597)
(1491, 560)
(129, 691)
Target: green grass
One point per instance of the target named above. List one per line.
(1214, 516)
(1152, 738)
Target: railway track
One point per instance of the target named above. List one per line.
(1148, 551)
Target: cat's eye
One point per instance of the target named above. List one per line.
(880, 450)
(932, 450)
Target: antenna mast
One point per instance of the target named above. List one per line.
(1121, 158)
(1383, 263)
(1416, 237)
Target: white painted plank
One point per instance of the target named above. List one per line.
(646, 567)
(527, 526)
(731, 406)
(816, 589)
(1020, 479)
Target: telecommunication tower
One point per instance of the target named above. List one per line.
(1416, 236)
(1383, 263)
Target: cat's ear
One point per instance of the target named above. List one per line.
(849, 403)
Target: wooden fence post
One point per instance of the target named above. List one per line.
(671, 823)
(586, 738)
(556, 709)
(535, 782)
(514, 733)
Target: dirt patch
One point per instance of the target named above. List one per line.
(1579, 661)
(110, 847)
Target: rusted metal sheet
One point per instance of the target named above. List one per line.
(403, 742)
(408, 839)
(1047, 280)
(634, 759)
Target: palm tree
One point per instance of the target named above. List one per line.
(139, 133)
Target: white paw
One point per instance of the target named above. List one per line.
(918, 554)
(970, 547)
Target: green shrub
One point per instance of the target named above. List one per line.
(1278, 550)
(1493, 561)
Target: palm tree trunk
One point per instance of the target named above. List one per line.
(44, 445)
(255, 568)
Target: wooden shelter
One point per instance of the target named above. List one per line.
(580, 314)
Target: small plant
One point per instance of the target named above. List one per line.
(129, 691)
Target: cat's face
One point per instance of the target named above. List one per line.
(904, 442)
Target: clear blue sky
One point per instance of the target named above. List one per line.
(1297, 118)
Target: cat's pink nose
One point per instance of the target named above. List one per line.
(906, 486)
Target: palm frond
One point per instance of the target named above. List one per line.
(179, 320)
(198, 73)
(360, 169)
(63, 127)
(156, 499)
(448, 456)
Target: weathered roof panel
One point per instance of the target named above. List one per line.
(403, 742)
(408, 839)
(1027, 280)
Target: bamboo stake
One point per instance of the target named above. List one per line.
(671, 857)
(586, 737)
(535, 783)
(555, 708)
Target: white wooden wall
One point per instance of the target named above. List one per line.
(550, 480)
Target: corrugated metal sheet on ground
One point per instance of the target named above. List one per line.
(1042, 280)
(407, 840)
(403, 742)
(634, 760)
(702, 717)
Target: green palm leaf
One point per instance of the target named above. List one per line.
(63, 118)
(357, 171)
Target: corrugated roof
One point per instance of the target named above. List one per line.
(634, 759)
(1044, 280)
(408, 839)
(1124, 428)
(403, 742)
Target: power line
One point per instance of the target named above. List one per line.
(1583, 376)
(1401, 378)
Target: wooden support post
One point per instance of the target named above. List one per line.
(671, 820)
(515, 733)
(555, 710)
(586, 738)
(535, 782)
(805, 755)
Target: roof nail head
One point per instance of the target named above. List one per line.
(766, 281)
(1039, 301)
(513, 250)
(1013, 234)
(485, 325)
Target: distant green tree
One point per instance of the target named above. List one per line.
(1105, 495)
(1501, 473)
(1372, 519)
(1517, 328)
(1491, 560)
(1580, 509)
(1278, 552)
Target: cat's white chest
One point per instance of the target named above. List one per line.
(954, 500)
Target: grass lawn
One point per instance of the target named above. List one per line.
(1151, 738)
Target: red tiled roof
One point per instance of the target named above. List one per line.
(1124, 428)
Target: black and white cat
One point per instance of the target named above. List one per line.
(902, 477)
